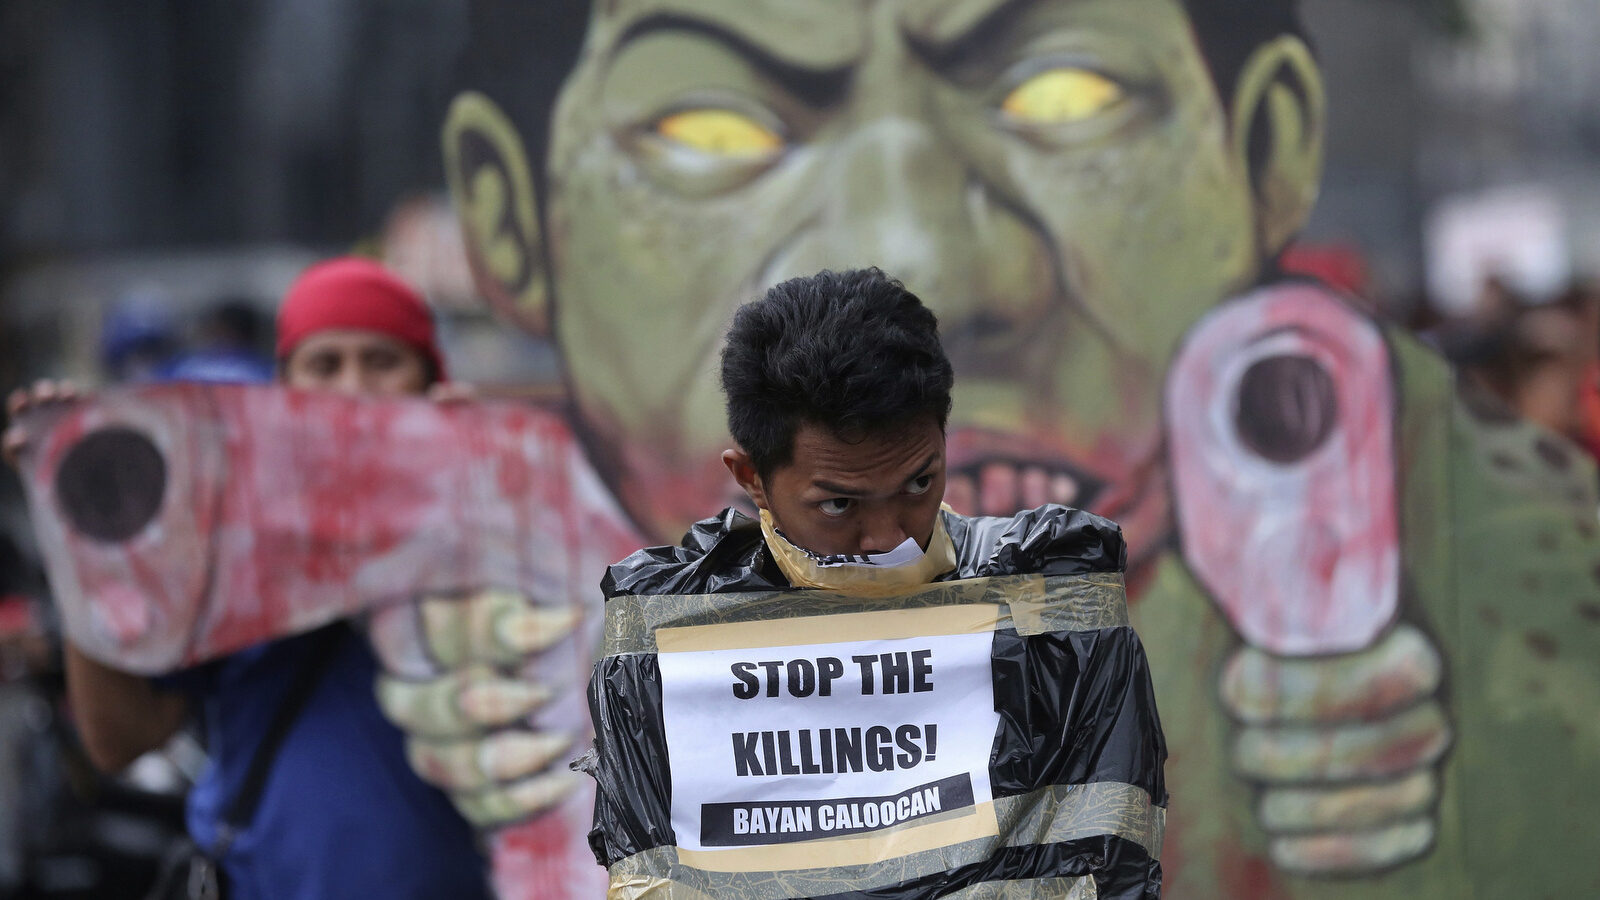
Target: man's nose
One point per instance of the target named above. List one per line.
(349, 380)
(881, 532)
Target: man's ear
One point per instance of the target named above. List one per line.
(495, 200)
(1279, 113)
(744, 472)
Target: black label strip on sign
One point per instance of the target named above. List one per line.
(789, 821)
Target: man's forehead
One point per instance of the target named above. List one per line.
(908, 445)
(825, 35)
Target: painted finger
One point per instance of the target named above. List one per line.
(1401, 669)
(1354, 853)
(459, 704)
(449, 624)
(495, 626)
(516, 801)
(474, 765)
(532, 629)
(1384, 749)
(1365, 806)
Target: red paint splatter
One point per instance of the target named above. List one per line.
(1246, 875)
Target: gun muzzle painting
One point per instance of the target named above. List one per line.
(182, 522)
(1282, 442)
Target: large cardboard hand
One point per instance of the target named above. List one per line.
(1344, 749)
(1281, 424)
(452, 683)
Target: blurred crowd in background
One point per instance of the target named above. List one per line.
(1542, 361)
(167, 167)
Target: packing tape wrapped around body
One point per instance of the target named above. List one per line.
(182, 522)
(988, 734)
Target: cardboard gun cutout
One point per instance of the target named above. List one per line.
(180, 523)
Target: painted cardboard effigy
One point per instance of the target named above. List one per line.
(1368, 596)
(993, 732)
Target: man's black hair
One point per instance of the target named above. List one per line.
(852, 352)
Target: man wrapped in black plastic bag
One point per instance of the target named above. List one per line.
(864, 694)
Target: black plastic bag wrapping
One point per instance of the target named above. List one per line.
(625, 700)
(1076, 795)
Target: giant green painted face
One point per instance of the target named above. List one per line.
(1056, 179)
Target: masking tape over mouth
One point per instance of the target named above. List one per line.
(863, 579)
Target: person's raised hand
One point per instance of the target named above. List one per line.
(1345, 750)
(449, 392)
(43, 392)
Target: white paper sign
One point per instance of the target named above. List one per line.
(783, 744)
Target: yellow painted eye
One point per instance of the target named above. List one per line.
(1061, 95)
(721, 132)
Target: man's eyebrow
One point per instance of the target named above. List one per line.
(939, 27)
(926, 464)
(843, 491)
(779, 48)
(832, 488)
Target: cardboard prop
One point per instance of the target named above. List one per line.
(1282, 416)
(1072, 186)
(994, 732)
(182, 522)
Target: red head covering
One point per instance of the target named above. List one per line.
(351, 292)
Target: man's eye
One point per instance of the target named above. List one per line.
(835, 506)
(920, 484)
(1061, 95)
(720, 132)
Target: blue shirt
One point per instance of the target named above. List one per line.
(341, 814)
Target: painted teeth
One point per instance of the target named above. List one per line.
(999, 488)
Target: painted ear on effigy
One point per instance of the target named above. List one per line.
(1277, 123)
(495, 197)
